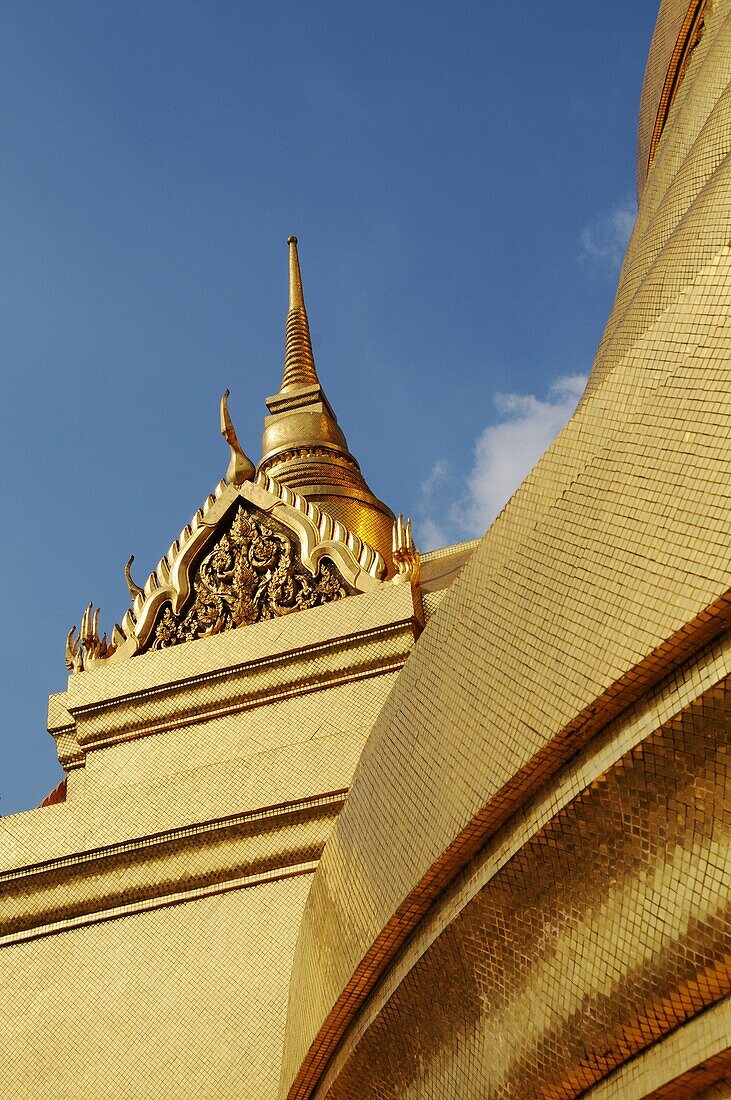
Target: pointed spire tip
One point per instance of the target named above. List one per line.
(299, 363)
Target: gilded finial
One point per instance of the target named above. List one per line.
(87, 647)
(406, 557)
(240, 467)
(304, 447)
(299, 362)
(134, 589)
(74, 653)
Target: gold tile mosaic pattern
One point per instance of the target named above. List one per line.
(670, 42)
(183, 1001)
(216, 856)
(669, 21)
(610, 567)
(702, 1044)
(606, 929)
(685, 214)
(153, 915)
(237, 670)
(621, 563)
(526, 892)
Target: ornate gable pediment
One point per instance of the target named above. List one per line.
(253, 571)
(253, 552)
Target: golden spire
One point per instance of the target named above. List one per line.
(299, 362)
(303, 445)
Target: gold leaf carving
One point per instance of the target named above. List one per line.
(253, 572)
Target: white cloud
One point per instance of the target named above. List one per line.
(453, 508)
(606, 239)
(431, 531)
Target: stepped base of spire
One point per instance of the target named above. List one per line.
(326, 473)
(301, 418)
(372, 522)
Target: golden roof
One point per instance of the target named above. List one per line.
(314, 536)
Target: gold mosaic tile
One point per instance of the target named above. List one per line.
(610, 567)
(181, 858)
(526, 892)
(186, 1000)
(604, 931)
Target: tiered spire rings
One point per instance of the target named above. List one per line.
(299, 362)
(303, 445)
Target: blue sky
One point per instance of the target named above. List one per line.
(461, 180)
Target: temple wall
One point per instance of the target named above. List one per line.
(148, 923)
(184, 1000)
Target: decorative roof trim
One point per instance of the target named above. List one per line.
(318, 535)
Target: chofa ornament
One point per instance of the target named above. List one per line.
(406, 556)
(87, 646)
(253, 572)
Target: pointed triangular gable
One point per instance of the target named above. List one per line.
(252, 552)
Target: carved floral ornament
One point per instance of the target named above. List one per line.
(254, 572)
(254, 551)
